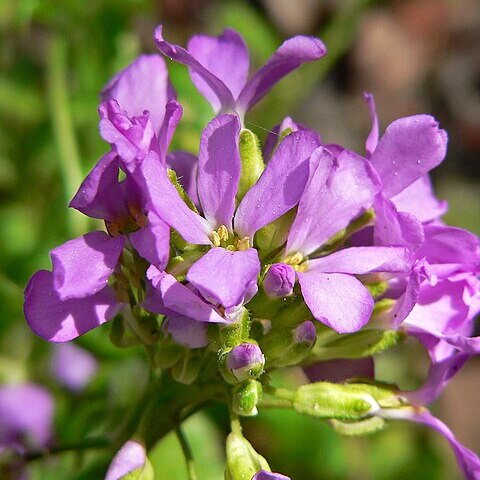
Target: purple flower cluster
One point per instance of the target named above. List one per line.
(228, 238)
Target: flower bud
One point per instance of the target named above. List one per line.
(252, 161)
(333, 401)
(242, 460)
(245, 397)
(279, 280)
(266, 475)
(290, 347)
(186, 370)
(245, 361)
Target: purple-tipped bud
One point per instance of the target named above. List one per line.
(246, 361)
(305, 333)
(279, 280)
(264, 475)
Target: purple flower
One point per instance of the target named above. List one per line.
(73, 366)
(26, 416)
(219, 67)
(227, 274)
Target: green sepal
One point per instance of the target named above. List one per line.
(281, 349)
(173, 178)
(356, 345)
(377, 289)
(146, 327)
(145, 472)
(363, 427)
(384, 393)
(168, 354)
(122, 336)
(252, 162)
(275, 234)
(333, 401)
(243, 462)
(186, 370)
(245, 397)
(235, 333)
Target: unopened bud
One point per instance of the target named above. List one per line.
(186, 370)
(279, 280)
(245, 361)
(245, 397)
(242, 460)
(252, 161)
(290, 347)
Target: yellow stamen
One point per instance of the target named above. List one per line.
(243, 244)
(223, 233)
(294, 259)
(215, 238)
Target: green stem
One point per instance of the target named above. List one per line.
(280, 393)
(187, 452)
(63, 129)
(92, 444)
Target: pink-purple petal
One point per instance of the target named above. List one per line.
(132, 456)
(187, 332)
(166, 202)
(152, 242)
(372, 139)
(59, 320)
(339, 190)
(226, 57)
(409, 148)
(220, 96)
(419, 200)
(264, 475)
(143, 85)
(338, 300)
(394, 228)
(361, 260)
(180, 299)
(173, 114)
(26, 412)
(467, 460)
(101, 195)
(82, 266)
(280, 186)
(289, 56)
(219, 169)
(225, 277)
(341, 369)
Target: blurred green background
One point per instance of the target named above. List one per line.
(416, 56)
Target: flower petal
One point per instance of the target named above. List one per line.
(394, 228)
(288, 57)
(187, 332)
(445, 244)
(439, 375)
(280, 186)
(143, 85)
(166, 202)
(152, 242)
(360, 260)
(101, 195)
(173, 114)
(226, 57)
(219, 170)
(73, 366)
(26, 412)
(59, 320)
(418, 200)
(81, 266)
(340, 370)
(339, 190)
(180, 299)
(409, 148)
(372, 139)
(225, 277)
(131, 137)
(219, 96)
(132, 456)
(264, 475)
(336, 299)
